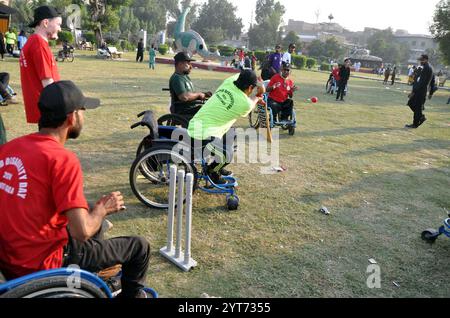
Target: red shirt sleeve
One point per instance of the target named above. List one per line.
(43, 59)
(67, 184)
(273, 80)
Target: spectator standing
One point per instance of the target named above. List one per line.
(140, 51)
(275, 61)
(418, 96)
(152, 58)
(37, 64)
(344, 74)
(387, 74)
(287, 56)
(11, 39)
(21, 40)
(2, 46)
(394, 74)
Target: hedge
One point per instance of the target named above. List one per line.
(299, 61)
(163, 49)
(326, 67)
(226, 50)
(65, 36)
(90, 37)
(310, 62)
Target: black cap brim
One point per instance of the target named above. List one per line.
(91, 103)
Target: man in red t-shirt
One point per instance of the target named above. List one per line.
(45, 221)
(37, 63)
(281, 89)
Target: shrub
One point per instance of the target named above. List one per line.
(65, 36)
(52, 43)
(213, 49)
(125, 45)
(326, 67)
(299, 61)
(260, 56)
(226, 50)
(310, 62)
(90, 37)
(163, 49)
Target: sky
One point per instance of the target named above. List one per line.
(415, 16)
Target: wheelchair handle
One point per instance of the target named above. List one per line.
(166, 89)
(141, 114)
(136, 125)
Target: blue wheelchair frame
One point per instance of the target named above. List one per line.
(84, 275)
(431, 235)
(165, 137)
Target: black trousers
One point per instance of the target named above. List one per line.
(417, 105)
(284, 109)
(4, 82)
(222, 150)
(97, 254)
(10, 48)
(341, 90)
(140, 56)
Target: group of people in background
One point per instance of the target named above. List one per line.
(9, 42)
(151, 54)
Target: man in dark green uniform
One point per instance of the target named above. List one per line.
(185, 100)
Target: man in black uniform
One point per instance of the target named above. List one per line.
(140, 51)
(418, 95)
(344, 73)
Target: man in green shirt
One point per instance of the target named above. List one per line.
(211, 126)
(185, 100)
(11, 39)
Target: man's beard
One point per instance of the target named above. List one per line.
(74, 133)
(187, 72)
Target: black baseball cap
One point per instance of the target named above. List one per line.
(59, 99)
(246, 78)
(423, 57)
(44, 12)
(183, 57)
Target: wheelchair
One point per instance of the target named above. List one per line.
(258, 119)
(66, 55)
(431, 235)
(163, 147)
(63, 283)
(331, 86)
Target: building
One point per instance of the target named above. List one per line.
(418, 44)
(305, 28)
(5, 16)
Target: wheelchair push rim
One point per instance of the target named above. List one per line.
(150, 175)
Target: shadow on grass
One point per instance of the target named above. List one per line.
(416, 145)
(348, 131)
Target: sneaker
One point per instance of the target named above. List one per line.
(411, 126)
(225, 172)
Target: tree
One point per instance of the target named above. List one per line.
(269, 15)
(330, 49)
(292, 37)
(25, 13)
(217, 20)
(441, 29)
(383, 44)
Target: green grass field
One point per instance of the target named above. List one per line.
(382, 183)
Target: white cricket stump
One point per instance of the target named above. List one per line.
(174, 254)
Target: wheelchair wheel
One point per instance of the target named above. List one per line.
(150, 175)
(253, 119)
(173, 120)
(54, 287)
(291, 131)
(70, 57)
